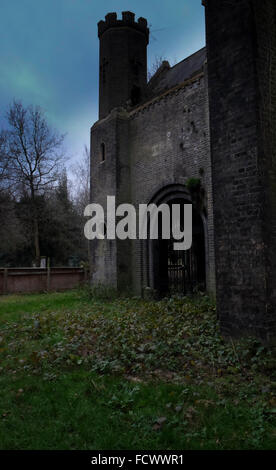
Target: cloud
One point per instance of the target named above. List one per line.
(50, 53)
(77, 127)
(20, 80)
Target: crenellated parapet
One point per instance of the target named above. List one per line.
(128, 20)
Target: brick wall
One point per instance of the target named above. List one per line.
(169, 143)
(241, 70)
(162, 143)
(16, 280)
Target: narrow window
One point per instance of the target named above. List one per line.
(102, 152)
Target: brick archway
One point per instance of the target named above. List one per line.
(170, 271)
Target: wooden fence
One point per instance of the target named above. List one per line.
(16, 280)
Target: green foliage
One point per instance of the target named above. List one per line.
(60, 225)
(100, 292)
(193, 184)
(152, 375)
(39, 216)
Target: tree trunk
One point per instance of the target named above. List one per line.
(36, 242)
(35, 229)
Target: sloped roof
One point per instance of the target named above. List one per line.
(168, 77)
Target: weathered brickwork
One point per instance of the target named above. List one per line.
(123, 60)
(169, 143)
(110, 259)
(242, 91)
(159, 143)
(214, 121)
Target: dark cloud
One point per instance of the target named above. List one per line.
(49, 53)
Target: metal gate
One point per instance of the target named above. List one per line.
(181, 270)
(184, 270)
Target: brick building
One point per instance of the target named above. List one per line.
(199, 132)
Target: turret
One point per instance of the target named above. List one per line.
(123, 61)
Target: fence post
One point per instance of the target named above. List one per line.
(48, 275)
(5, 287)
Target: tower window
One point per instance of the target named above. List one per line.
(102, 152)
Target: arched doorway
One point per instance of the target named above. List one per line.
(174, 271)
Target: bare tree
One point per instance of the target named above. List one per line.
(3, 162)
(81, 182)
(81, 192)
(33, 157)
(155, 65)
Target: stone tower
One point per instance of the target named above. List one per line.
(123, 61)
(150, 140)
(241, 54)
(123, 80)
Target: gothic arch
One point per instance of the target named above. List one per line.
(168, 271)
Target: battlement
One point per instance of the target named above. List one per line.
(128, 20)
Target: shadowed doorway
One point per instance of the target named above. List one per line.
(178, 271)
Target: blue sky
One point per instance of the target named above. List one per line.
(49, 53)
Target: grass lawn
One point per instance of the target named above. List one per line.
(82, 373)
